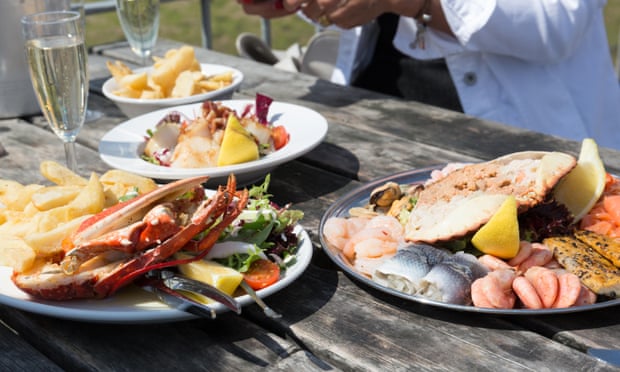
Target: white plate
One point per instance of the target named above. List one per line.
(122, 146)
(133, 107)
(132, 304)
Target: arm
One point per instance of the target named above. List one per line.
(351, 13)
(538, 30)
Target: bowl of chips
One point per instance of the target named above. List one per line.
(176, 79)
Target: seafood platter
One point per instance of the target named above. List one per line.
(197, 140)
(119, 248)
(527, 233)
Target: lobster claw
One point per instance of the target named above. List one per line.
(167, 284)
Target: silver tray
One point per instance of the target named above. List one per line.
(359, 198)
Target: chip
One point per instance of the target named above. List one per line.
(176, 75)
(34, 219)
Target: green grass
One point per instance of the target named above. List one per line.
(180, 20)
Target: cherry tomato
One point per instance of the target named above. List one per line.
(280, 137)
(262, 273)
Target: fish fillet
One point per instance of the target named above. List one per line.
(606, 246)
(594, 270)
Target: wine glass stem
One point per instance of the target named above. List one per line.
(70, 156)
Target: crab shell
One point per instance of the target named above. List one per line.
(466, 198)
(97, 270)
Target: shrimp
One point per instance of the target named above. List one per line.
(525, 250)
(379, 237)
(493, 263)
(545, 282)
(569, 291)
(494, 290)
(370, 243)
(389, 224)
(338, 230)
(540, 256)
(526, 292)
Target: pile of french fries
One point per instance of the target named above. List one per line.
(34, 219)
(176, 75)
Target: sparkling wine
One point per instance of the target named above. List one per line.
(59, 76)
(140, 22)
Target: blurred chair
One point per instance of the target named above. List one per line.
(252, 47)
(318, 58)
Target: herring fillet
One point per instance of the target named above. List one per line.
(594, 270)
(604, 245)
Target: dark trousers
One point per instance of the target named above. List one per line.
(396, 74)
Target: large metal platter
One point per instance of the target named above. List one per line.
(359, 197)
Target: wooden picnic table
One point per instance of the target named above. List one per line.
(330, 321)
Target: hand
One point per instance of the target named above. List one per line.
(343, 13)
(265, 8)
(351, 13)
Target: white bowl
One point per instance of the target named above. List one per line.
(133, 107)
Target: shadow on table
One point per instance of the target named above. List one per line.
(334, 159)
(334, 95)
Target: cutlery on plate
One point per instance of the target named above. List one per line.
(266, 309)
(167, 284)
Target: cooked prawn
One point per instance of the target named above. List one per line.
(379, 237)
(545, 282)
(525, 250)
(370, 243)
(493, 263)
(540, 256)
(569, 291)
(494, 290)
(338, 230)
(527, 293)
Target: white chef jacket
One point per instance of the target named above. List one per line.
(542, 65)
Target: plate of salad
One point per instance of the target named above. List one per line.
(258, 232)
(126, 145)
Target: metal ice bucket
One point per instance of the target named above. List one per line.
(16, 94)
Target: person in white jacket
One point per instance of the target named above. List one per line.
(542, 65)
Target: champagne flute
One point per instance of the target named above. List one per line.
(56, 57)
(78, 6)
(140, 22)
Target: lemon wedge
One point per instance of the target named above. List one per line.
(581, 188)
(221, 277)
(500, 235)
(238, 145)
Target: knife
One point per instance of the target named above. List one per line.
(611, 356)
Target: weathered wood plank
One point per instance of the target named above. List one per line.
(229, 343)
(17, 355)
(20, 137)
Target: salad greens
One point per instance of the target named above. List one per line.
(265, 225)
